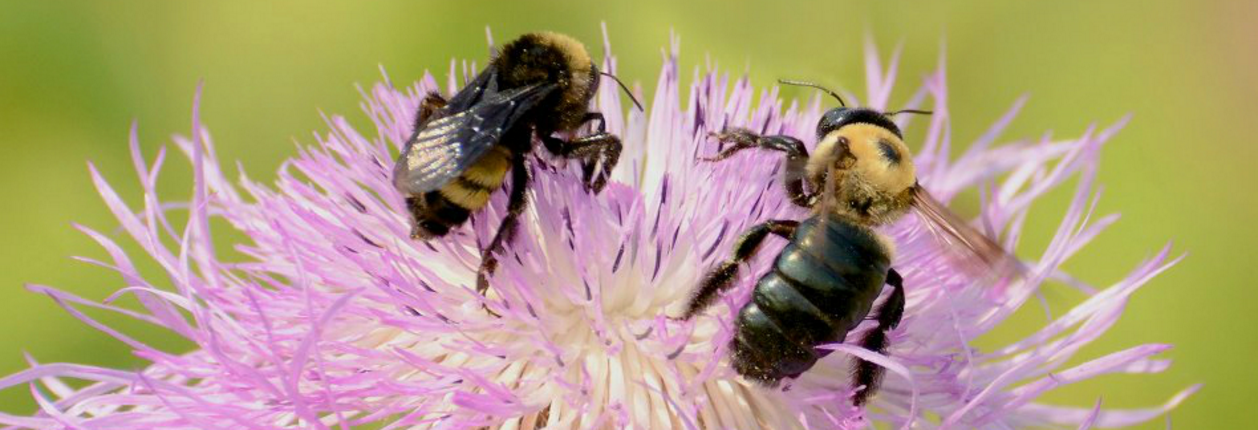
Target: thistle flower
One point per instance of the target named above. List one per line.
(335, 318)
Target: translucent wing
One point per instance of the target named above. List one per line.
(447, 145)
(978, 254)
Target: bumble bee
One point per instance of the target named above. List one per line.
(463, 148)
(833, 268)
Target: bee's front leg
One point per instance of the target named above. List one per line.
(796, 159)
(601, 147)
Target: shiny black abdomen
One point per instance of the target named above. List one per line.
(822, 285)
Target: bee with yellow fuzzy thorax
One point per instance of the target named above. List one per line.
(835, 264)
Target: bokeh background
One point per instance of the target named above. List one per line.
(75, 74)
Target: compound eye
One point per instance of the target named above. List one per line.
(888, 151)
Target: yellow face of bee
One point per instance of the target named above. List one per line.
(882, 159)
(879, 157)
(868, 170)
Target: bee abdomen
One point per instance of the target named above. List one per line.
(437, 212)
(843, 296)
(838, 266)
(764, 351)
(822, 285)
(490, 170)
(796, 316)
(471, 190)
(435, 215)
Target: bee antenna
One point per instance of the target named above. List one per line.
(812, 85)
(623, 87)
(916, 111)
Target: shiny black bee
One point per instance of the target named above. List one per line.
(463, 148)
(827, 278)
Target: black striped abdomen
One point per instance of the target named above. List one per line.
(822, 285)
(436, 212)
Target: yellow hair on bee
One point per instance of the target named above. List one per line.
(464, 196)
(826, 154)
(490, 170)
(576, 92)
(863, 141)
(578, 58)
(891, 177)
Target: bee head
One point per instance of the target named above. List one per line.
(838, 117)
(861, 164)
(867, 171)
(546, 57)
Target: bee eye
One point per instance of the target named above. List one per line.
(888, 152)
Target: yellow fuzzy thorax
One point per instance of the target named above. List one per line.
(862, 145)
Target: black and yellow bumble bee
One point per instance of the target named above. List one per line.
(463, 148)
(833, 268)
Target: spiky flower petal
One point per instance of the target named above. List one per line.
(337, 319)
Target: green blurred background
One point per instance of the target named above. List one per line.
(74, 74)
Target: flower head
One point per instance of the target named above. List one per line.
(335, 318)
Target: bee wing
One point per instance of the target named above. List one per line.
(472, 91)
(978, 254)
(446, 146)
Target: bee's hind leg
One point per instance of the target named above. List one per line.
(516, 203)
(868, 374)
(796, 159)
(722, 277)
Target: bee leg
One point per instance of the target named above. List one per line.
(516, 203)
(889, 314)
(795, 163)
(610, 153)
(722, 277)
(600, 146)
(428, 106)
(571, 149)
(610, 156)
